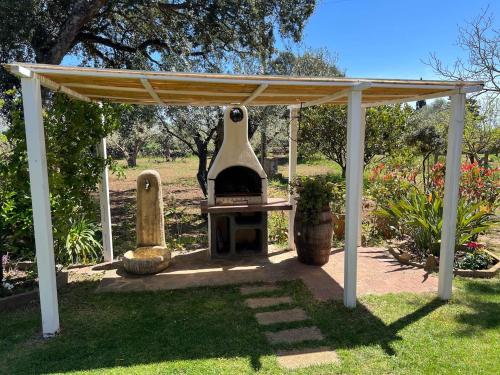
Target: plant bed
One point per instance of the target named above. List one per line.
(25, 289)
(404, 254)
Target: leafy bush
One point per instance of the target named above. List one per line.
(314, 195)
(421, 216)
(475, 260)
(278, 227)
(72, 130)
(337, 203)
(390, 183)
(81, 244)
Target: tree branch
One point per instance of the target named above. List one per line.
(83, 11)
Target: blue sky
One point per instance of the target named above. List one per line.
(389, 38)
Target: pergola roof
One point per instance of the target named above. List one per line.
(202, 89)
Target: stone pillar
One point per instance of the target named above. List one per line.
(150, 222)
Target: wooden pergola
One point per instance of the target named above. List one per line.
(199, 89)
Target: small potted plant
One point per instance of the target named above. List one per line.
(313, 227)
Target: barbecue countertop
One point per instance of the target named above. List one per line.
(273, 204)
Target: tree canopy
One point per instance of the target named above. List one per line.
(138, 33)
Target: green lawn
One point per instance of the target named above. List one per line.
(210, 331)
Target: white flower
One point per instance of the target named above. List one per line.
(7, 285)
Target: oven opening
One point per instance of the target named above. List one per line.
(238, 181)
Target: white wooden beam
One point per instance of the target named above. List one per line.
(247, 79)
(471, 89)
(292, 171)
(23, 72)
(353, 195)
(337, 95)
(151, 91)
(42, 221)
(361, 166)
(412, 98)
(451, 188)
(259, 90)
(107, 234)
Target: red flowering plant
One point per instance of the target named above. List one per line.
(478, 184)
(416, 210)
(389, 183)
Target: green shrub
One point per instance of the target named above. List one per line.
(421, 217)
(314, 195)
(475, 260)
(278, 227)
(72, 131)
(81, 245)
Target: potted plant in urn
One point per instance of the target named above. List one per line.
(313, 227)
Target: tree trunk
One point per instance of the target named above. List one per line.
(167, 153)
(132, 159)
(202, 170)
(263, 143)
(1, 266)
(486, 160)
(471, 157)
(423, 173)
(219, 137)
(344, 169)
(83, 11)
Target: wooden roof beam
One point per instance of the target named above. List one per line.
(24, 72)
(462, 90)
(255, 94)
(151, 91)
(329, 98)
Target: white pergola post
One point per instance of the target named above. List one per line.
(451, 186)
(42, 221)
(354, 181)
(292, 171)
(361, 165)
(107, 235)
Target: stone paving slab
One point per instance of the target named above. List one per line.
(291, 336)
(378, 273)
(255, 303)
(300, 358)
(248, 290)
(281, 316)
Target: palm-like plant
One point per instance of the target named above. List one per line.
(81, 245)
(421, 216)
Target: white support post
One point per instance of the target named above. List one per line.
(42, 221)
(451, 186)
(353, 195)
(107, 235)
(292, 170)
(361, 165)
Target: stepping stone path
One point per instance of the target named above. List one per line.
(255, 303)
(291, 336)
(281, 316)
(247, 290)
(290, 359)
